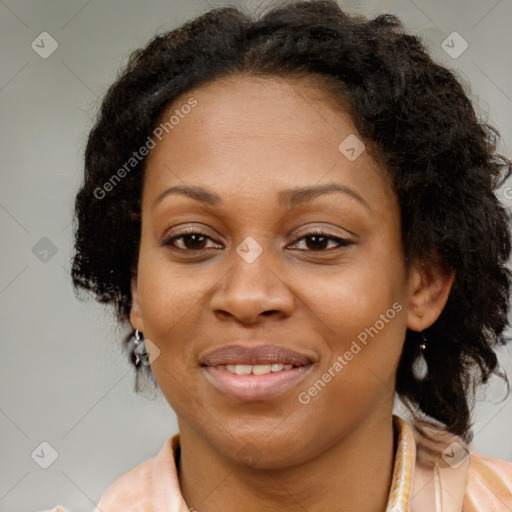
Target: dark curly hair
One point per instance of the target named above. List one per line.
(415, 118)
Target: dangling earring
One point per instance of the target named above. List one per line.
(419, 365)
(139, 349)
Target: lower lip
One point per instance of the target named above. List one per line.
(255, 387)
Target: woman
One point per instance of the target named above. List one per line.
(296, 215)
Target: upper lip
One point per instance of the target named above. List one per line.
(256, 354)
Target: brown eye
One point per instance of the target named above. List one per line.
(194, 241)
(318, 240)
(189, 241)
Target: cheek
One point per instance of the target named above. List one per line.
(168, 292)
(360, 312)
(354, 297)
(364, 332)
(171, 305)
(357, 376)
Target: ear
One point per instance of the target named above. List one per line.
(429, 288)
(135, 309)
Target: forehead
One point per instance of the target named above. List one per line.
(274, 108)
(257, 135)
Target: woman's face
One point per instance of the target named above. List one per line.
(272, 185)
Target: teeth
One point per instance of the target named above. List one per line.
(256, 369)
(243, 369)
(260, 369)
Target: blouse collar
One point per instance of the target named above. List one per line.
(405, 456)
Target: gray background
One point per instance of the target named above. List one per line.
(64, 379)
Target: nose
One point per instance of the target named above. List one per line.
(252, 291)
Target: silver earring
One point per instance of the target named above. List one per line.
(419, 365)
(139, 349)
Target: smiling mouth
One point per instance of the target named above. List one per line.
(254, 369)
(257, 372)
(247, 382)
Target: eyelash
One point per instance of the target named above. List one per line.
(343, 242)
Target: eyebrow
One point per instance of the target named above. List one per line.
(290, 197)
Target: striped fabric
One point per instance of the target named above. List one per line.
(401, 486)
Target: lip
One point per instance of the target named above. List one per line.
(255, 387)
(256, 354)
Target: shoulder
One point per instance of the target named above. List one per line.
(129, 490)
(489, 485)
(133, 490)
(483, 484)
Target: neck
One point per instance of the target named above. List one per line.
(336, 479)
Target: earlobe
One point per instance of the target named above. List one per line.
(429, 290)
(135, 309)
